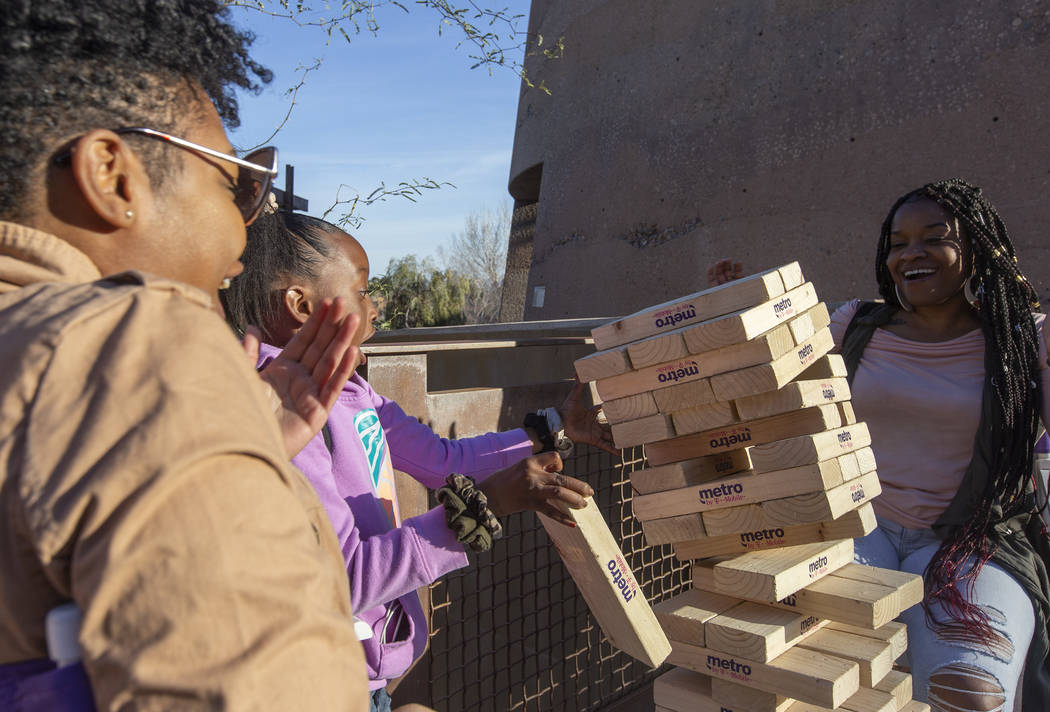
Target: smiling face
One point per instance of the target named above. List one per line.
(929, 255)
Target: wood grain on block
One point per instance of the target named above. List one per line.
(793, 396)
(704, 417)
(657, 349)
(864, 700)
(804, 449)
(846, 411)
(690, 309)
(672, 529)
(681, 690)
(765, 347)
(651, 378)
(830, 366)
(915, 706)
(769, 576)
(851, 525)
(746, 324)
(607, 584)
(689, 472)
(895, 633)
(745, 488)
(643, 430)
(849, 466)
(773, 375)
(683, 617)
(741, 435)
(745, 518)
(821, 506)
(733, 696)
(875, 657)
(756, 632)
(866, 459)
(621, 410)
(796, 673)
(909, 587)
(683, 396)
(816, 319)
(791, 275)
(898, 684)
(603, 364)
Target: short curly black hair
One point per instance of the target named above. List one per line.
(70, 66)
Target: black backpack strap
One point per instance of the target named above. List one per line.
(868, 317)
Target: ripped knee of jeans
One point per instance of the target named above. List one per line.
(964, 688)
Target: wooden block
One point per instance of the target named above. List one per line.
(864, 700)
(897, 684)
(851, 525)
(756, 632)
(672, 529)
(733, 696)
(849, 466)
(605, 581)
(634, 407)
(793, 396)
(915, 706)
(681, 690)
(816, 319)
(846, 411)
(797, 673)
(684, 616)
(728, 521)
(683, 396)
(603, 364)
(804, 449)
(765, 347)
(821, 506)
(657, 349)
(866, 459)
(791, 275)
(710, 303)
(831, 366)
(773, 375)
(689, 472)
(895, 633)
(741, 435)
(643, 430)
(769, 576)
(651, 378)
(746, 324)
(746, 488)
(704, 417)
(874, 657)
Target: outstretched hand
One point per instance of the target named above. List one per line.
(535, 484)
(310, 372)
(725, 270)
(582, 424)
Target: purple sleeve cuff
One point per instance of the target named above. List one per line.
(436, 544)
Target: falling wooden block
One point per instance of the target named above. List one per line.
(657, 349)
(846, 411)
(741, 435)
(773, 375)
(793, 396)
(684, 616)
(851, 525)
(607, 584)
(895, 633)
(603, 364)
(820, 506)
(874, 657)
(756, 632)
(804, 449)
(643, 430)
(816, 319)
(689, 472)
(897, 684)
(621, 410)
(831, 366)
(769, 576)
(733, 696)
(746, 324)
(704, 417)
(672, 529)
(797, 673)
(701, 306)
(681, 690)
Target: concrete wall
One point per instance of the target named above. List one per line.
(681, 131)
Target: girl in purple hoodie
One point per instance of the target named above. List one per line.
(292, 262)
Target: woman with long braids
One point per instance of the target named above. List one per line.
(950, 373)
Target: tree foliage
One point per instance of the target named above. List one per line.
(479, 253)
(414, 292)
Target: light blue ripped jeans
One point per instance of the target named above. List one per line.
(1009, 609)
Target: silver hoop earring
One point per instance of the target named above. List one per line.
(900, 300)
(971, 298)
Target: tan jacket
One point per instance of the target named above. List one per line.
(142, 476)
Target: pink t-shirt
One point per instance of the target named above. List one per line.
(922, 403)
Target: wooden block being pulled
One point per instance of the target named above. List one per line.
(821, 506)
(895, 633)
(657, 349)
(710, 303)
(621, 410)
(756, 632)
(603, 364)
(793, 396)
(682, 690)
(874, 657)
(898, 684)
(689, 472)
(771, 376)
(607, 584)
(643, 430)
(684, 616)
(797, 673)
(746, 324)
(804, 449)
(672, 529)
(769, 576)
(704, 417)
(831, 366)
(733, 696)
(754, 432)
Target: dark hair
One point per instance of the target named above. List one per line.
(281, 245)
(1011, 364)
(70, 66)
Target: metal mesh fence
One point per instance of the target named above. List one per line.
(511, 632)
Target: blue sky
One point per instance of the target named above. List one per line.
(401, 105)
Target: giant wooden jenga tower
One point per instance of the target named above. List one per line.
(760, 474)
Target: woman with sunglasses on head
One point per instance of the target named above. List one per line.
(144, 476)
(950, 372)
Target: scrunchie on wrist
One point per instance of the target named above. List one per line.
(467, 513)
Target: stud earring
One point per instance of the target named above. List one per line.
(900, 300)
(224, 284)
(129, 214)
